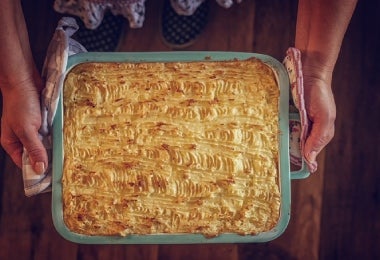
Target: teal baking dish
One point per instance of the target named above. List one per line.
(284, 164)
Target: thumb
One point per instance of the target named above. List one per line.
(36, 150)
(320, 135)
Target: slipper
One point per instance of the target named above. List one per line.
(104, 38)
(181, 31)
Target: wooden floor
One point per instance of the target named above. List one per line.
(335, 212)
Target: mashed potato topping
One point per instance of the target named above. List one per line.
(171, 147)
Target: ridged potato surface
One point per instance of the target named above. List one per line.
(171, 147)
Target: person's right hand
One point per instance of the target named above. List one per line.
(20, 122)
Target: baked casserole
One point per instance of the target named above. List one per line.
(171, 148)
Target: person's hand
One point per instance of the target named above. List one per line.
(320, 29)
(20, 122)
(320, 107)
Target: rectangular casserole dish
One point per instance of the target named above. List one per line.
(284, 165)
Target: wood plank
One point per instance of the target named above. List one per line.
(199, 251)
(148, 252)
(275, 23)
(351, 205)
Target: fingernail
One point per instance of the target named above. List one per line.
(312, 156)
(39, 167)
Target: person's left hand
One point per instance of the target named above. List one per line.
(321, 110)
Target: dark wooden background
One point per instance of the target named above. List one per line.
(335, 212)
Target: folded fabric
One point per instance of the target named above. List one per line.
(293, 65)
(60, 47)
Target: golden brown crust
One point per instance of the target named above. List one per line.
(171, 148)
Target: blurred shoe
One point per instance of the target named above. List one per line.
(181, 31)
(105, 38)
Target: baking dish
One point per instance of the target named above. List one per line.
(284, 164)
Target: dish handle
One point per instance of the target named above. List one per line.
(298, 166)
